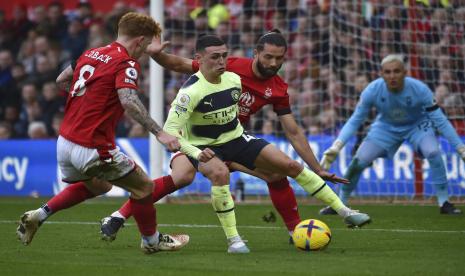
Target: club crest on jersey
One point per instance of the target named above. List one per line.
(235, 94)
(131, 73)
(184, 100)
(246, 99)
(268, 93)
(409, 100)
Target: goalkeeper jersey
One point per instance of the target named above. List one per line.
(204, 113)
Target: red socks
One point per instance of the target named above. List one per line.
(144, 214)
(163, 186)
(284, 201)
(73, 194)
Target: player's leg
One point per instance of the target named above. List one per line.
(365, 155)
(140, 186)
(74, 194)
(70, 196)
(429, 148)
(262, 155)
(270, 158)
(182, 174)
(281, 194)
(223, 204)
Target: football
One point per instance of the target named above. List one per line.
(311, 235)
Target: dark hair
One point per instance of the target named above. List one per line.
(205, 41)
(273, 37)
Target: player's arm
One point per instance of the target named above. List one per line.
(136, 110)
(178, 116)
(348, 130)
(442, 124)
(299, 142)
(168, 61)
(65, 78)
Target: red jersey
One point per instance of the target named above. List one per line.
(256, 92)
(93, 107)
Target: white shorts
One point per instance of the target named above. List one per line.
(78, 163)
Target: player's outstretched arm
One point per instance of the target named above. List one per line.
(65, 78)
(136, 110)
(168, 61)
(445, 128)
(299, 142)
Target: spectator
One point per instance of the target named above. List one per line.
(30, 110)
(37, 130)
(5, 131)
(75, 40)
(56, 123)
(6, 62)
(50, 103)
(97, 36)
(441, 93)
(57, 21)
(45, 71)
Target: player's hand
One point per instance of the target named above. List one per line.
(206, 155)
(331, 177)
(330, 154)
(156, 46)
(169, 141)
(461, 151)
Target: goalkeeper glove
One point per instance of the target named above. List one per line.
(330, 154)
(461, 151)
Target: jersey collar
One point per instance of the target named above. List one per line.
(117, 44)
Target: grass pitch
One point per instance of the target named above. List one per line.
(402, 240)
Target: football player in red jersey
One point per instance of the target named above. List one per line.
(102, 86)
(260, 86)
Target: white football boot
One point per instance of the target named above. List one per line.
(165, 243)
(28, 224)
(237, 246)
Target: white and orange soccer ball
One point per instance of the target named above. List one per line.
(311, 235)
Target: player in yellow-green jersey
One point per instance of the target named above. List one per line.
(205, 112)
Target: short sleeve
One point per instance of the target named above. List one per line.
(127, 75)
(282, 107)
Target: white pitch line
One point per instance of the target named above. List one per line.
(256, 227)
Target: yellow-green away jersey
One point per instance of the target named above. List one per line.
(204, 113)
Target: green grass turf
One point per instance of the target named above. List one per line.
(69, 243)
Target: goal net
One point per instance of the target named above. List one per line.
(335, 48)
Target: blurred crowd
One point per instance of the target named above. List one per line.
(334, 52)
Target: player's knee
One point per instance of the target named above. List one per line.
(293, 167)
(143, 190)
(431, 153)
(219, 174)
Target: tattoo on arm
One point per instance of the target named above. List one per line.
(136, 110)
